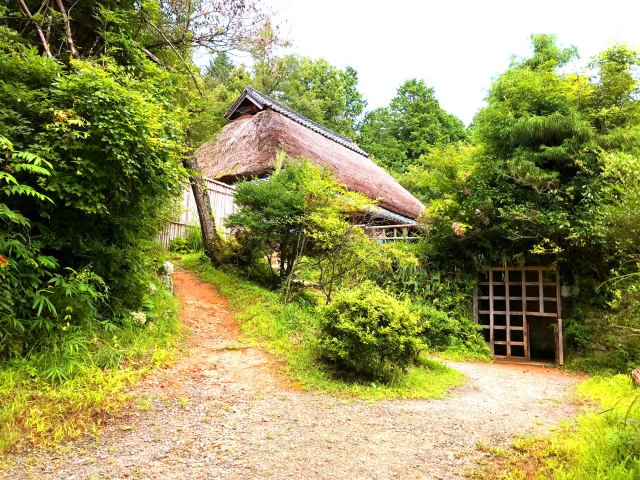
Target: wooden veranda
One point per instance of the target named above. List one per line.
(519, 309)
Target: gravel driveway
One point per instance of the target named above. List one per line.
(224, 412)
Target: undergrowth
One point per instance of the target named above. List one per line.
(36, 410)
(291, 332)
(602, 444)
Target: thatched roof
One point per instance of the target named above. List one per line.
(259, 127)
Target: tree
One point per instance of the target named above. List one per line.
(414, 122)
(134, 34)
(220, 69)
(438, 176)
(314, 88)
(160, 30)
(538, 190)
(101, 106)
(295, 213)
(109, 165)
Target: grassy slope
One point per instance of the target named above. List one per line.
(37, 411)
(603, 443)
(289, 331)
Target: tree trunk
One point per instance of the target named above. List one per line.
(210, 237)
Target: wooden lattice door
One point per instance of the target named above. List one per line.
(512, 304)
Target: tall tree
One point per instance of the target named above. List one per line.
(414, 122)
(164, 32)
(101, 107)
(543, 142)
(315, 88)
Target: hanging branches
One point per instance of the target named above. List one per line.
(216, 25)
(187, 65)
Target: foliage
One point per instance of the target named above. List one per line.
(189, 244)
(134, 33)
(621, 172)
(96, 116)
(291, 332)
(551, 179)
(102, 163)
(35, 410)
(340, 254)
(414, 122)
(367, 332)
(440, 298)
(301, 214)
(604, 442)
(437, 177)
(609, 339)
(538, 188)
(314, 88)
(293, 213)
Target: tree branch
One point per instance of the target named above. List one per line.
(67, 29)
(175, 50)
(43, 39)
(155, 59)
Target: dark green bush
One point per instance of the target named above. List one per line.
(90, 161)
(442, 300)
(444, 331)
(179, 245)
(369, 333)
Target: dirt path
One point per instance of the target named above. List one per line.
(223, 413)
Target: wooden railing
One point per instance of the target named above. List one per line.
(392, 233)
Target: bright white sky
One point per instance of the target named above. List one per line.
(456, 46)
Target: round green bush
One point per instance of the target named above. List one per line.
(369, 333)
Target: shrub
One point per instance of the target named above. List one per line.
(90, 161)
(369, 333)
(437, 327)
(457, 337)
(442, 299)
(190, 244)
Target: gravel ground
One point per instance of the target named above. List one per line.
(224, 412)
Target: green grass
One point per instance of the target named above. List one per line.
(34, 410)
(602, 444)
(457, 351)
(290, 332)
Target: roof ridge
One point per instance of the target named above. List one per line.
(268, 102)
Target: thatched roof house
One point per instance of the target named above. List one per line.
(260, 126)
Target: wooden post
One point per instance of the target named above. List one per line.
(491, 335)
(559, 310)
(525, 323)
(540, 291)
(476, 318)
(507, 308)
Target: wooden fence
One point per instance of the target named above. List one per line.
(223, 205)
(221, 196)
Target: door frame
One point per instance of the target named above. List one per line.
(509, 280)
